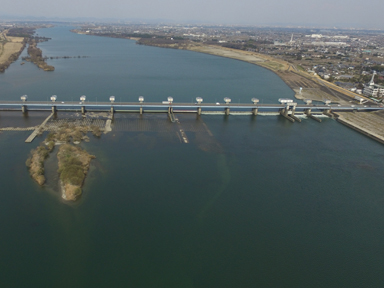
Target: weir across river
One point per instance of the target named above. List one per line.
(287, 109)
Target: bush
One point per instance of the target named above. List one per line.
(73, 174)
(51, 145)
(51, 137)
(77, 136)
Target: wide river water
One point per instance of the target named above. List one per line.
(248, 202)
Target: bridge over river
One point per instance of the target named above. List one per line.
(286, 108)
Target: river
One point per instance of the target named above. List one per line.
(248, 202)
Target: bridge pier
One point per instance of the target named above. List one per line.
(285, 115)
(199, 111)
(285, 112)
(293, 113)
(308, 112)
(82, 110)
(328, 113)
(255, 111)
(141, 111)
(54, 109)
(23, 109)
(227, 111)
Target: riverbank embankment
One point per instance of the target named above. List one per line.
(313, 87)
(370, 124)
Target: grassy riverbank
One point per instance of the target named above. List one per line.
(10, 50)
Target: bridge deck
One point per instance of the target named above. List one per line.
(177, 107)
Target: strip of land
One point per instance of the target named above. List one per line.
(10, 49)
(12, 46)
(36, 57)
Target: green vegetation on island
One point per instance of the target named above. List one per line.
(36, 56)
(35, 163)
(73, 165)
(73, 162)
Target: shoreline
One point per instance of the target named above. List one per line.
(368, 124)
(314, 88)
(334, 93)
(280, 67)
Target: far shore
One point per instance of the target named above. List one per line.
(278, 66)
(285, 70)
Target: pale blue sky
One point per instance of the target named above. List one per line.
(329, 13)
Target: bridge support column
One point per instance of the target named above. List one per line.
(293, 114)
(284, 113)
(141, 110)
(170, 109)
(286, 110)
(82, 110)
(24, 109)
(199, 111)
(255, 111)
(226, 111)
(53, 109)
(328, 113)
(309, 114)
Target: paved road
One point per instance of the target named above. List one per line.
(44, 105)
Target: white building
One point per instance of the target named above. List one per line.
(374, 90)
